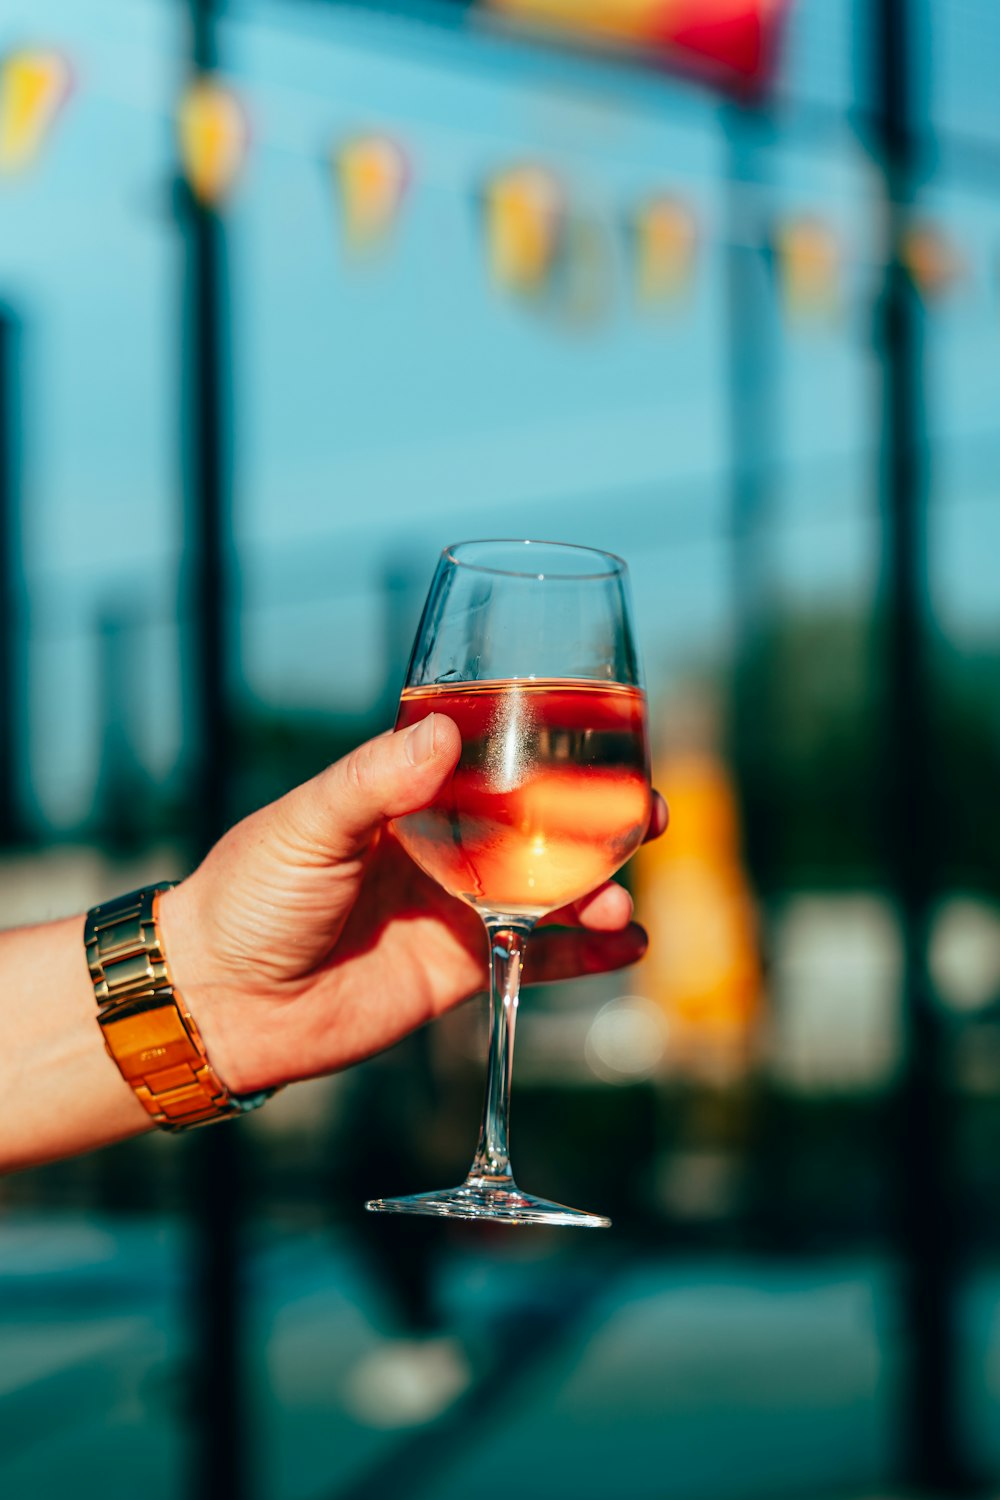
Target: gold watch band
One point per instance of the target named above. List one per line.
(146, 1027)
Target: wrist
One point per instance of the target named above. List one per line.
(148, 1027)
(240, 1055)
(188, 955)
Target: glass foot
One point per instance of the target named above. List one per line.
(489, 1198)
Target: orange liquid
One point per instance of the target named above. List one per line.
(550, 796)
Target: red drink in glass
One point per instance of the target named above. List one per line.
(550, 796)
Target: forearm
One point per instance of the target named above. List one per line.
(60, 1092)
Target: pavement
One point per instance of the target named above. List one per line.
(548, 1376)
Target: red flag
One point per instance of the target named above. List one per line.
(733, 42)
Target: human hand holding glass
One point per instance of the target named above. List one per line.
(529, 648)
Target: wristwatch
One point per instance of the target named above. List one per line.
(147, 1029)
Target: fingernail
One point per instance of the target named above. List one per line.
(420, 741)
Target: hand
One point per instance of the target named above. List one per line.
(308, 939)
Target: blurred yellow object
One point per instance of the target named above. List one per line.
(372, 173)
(934, 262)
(809, 264)
(213, 137)
(703, 966)
(33, 87)
(666, 240)
(620, 20)
(525, 211)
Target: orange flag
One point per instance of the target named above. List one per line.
(809, 266)
(934, 262)
(666, 240)
(372, 173)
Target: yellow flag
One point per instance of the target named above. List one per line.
(525, 213)
(809, 263)
(33, 87)
(617, 20)
(372, 173)
(693, 896)
(213, 136)
(666, 241)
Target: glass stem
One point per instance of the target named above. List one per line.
(507, 945)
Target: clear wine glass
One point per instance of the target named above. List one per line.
(529, 648)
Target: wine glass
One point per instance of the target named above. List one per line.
(529, 648)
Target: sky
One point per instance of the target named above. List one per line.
(383, 410)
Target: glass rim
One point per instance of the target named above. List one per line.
(616, 567)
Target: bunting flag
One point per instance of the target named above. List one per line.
(372, 174)
(666, 238)
(530, 229)
(525, 220)
(213, 138)
(808, 258)
(33, 88)
(934, 262)
(734, 42)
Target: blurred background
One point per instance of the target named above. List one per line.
(293, 294)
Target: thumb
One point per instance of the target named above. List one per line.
(339, 811)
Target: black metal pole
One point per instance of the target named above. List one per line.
(13, 611)
(123, 792)
(219, 1405)
(926, 1223)
(752, 360)
(210, 545)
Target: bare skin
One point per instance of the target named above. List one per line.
(305, 941)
